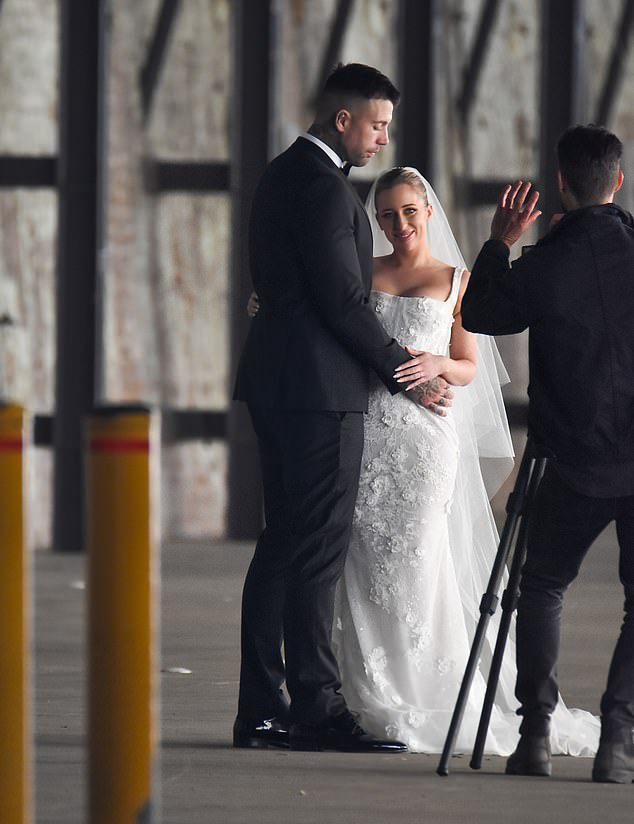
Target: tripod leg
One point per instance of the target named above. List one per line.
(488, 604)
(509, 603)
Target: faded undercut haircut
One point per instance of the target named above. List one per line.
(589, 161)
(353, 81)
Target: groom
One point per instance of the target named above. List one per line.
(304, 374)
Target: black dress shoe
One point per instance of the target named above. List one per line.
(614, 761)
(269, 732)
(531, 757)
(341, 733)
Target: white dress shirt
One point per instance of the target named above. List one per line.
(325, 148)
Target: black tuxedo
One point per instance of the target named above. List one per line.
(575, 292)
(304, 375)
(310, 244)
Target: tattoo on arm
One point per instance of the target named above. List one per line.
(429, 392)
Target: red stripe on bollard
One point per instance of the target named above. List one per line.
(119, 445)
(11, 444)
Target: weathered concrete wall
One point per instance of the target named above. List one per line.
(28, 224)
(303, 28)
(28, 68)
(165, 264)
(500, 137)
(166, 277)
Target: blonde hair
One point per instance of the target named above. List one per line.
(397, 176)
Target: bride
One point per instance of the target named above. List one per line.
(424, 538)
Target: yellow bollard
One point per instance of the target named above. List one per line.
(122, 478)
(15, 703)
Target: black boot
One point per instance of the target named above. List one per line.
(614, 761)
(531, 757)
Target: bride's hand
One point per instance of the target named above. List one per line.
(253, 305)
(422, 368)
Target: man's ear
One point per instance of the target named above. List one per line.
(619, 181)
(561, 183)
(342, 118)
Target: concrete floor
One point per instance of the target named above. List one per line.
(204, 780)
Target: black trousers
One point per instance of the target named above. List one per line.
(310, 471)
(562, 526)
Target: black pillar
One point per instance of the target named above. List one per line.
(76, 261)
(562, 90)
(617, 66)
(250, 148)
(418, 35)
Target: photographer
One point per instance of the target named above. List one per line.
(574, 291)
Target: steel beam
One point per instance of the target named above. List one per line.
(19, 171)
(562, 91)
(478, 192)
(163, 176)
(178, 426)
(618, 62)
(251, 72)
(42, 432)
(333, 48)
(76, 261)
(418, 36)
(473, 67)
(149, 74)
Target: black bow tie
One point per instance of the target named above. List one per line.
(345, 169)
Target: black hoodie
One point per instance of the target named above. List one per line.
(574, 290)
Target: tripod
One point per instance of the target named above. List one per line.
(529, 474)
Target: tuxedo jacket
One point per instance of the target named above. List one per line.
(312, 343)
(574, 290)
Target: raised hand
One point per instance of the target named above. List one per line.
(515, 212)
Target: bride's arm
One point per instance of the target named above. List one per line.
(462, 361)
(458, 368)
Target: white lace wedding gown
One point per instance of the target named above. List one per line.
(419, 559)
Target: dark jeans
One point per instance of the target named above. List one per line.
(563, 524)
(310, 472)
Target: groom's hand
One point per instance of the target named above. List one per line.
(434, 395)
(515, 212)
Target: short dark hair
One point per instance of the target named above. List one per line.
(589, 161)
(397, 176)
(351, 81)
(358, 80)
